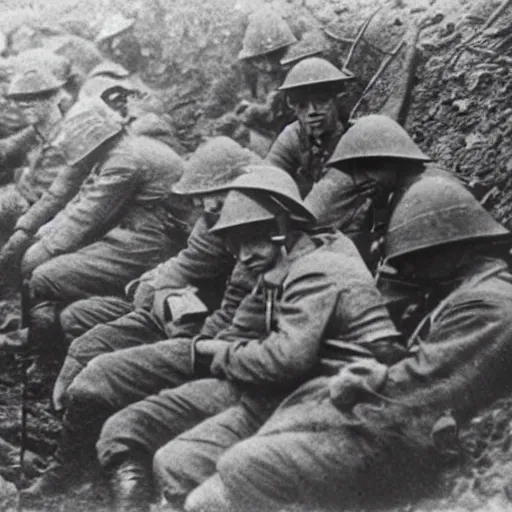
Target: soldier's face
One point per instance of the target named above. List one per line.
(430, 265)
(254, 248)
(35, 109)
(315, 109)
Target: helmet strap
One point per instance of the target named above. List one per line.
(280, 239)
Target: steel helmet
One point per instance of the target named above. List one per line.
(113, 26)
(266, 32)
(242, 207)
(37, 58)
(32, 82)
(314, 71)
(435, 211)
(312, 43)
(276, 182)
(376, 136)
(88, 125)
(213, 166)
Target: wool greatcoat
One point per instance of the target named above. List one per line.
(204, 264)
(315, 453)
(117, 226)
(320, 290)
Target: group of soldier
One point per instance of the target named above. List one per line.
(338, 308)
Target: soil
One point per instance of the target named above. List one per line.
(460, 113)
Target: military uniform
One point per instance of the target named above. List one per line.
(322, 290)
(204, 263)
(301, 156)
(116, 227)
(312, 452)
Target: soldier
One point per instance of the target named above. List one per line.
(374, 159)
(204, 265)
(312, 43)
(312, 87)
(117, 40)
(303, 292)
(257, 120)
(39, 95)
(375, 430)
(59, 65)
(118, 225)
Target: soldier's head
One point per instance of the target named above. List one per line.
(58, 65)
(261, 216)
(436, 229)
(38, 94)
(378, 149)
(117, 40)
(266, 40)
(312, 88)
(210, 170)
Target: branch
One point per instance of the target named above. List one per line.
(385, 63)
(358, 38)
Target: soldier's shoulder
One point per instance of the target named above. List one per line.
(336, 256)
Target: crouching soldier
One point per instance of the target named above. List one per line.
(118, 225)
(372, 165)
(199, 271)
(307, 291)
(349, 440)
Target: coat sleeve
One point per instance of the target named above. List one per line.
(61, 191)
(336, 201)
(290, 352)
(93, 211)
(240, 284)
(16, 144)
(285, 152)
(464, 362)
(204, 258)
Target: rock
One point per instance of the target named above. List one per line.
(461, 106)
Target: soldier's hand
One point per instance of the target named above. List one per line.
(35, 256)
(144, 296)
(14, 248)
(388, 352)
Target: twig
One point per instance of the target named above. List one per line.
(328, 33)
(358, 38)
(496, 14)
(385, 63)
(492, 18)
(497, 56)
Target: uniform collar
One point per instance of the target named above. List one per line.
(274, 277)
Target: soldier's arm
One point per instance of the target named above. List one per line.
(467, 352)
(335, 200)
(240, 284)
(291, 351)
(94, 210)
(61, 191)
(204, 258)
(16, 144)
(285, 151)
